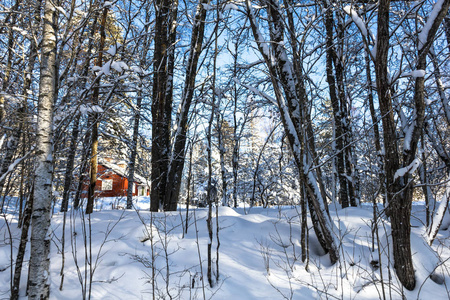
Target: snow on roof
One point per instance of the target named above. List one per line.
(123, 171)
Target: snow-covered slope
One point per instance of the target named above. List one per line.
(259, 256)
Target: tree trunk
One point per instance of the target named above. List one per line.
(209, 190)
(221, 146)
(236, 135)
(137, 117)
(11, 148)
(161, 106)
(70, 163)
(38, 280)
(22, 247)
(95, 119)
(440, 86)
(177, 158)
(304, 226)
(447, 30)
(293, 115)
(14, 136)
(400, 188)
(7, 72)
(188, 184)
(438, 217)
(303, 103)
(209, 199)
(169, 203)
(134, 142)
(426, 190)
(398, 209)
(335, 103)
(83, 169)
(376, 131)
(75, 125)
(339, 61)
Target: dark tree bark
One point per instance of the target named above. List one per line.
(76, 124)
(9, 22)
(14, 134)
(95, 119)
(400, 188)
(335, 103)
(239, 126)
(161, 104)
(134, 142)
(221, 146)
(344, 114)
(82, 173)
(188, 184)
(209, 194)
(137, 116)
(303, 102)
(294, 118)
(235, 157)
(440, 86)
(178, 154)
(212, 190)
(399, 209)
(10, 150)
(447, 30)
(376, 130)
(304, 239)
(22, 247)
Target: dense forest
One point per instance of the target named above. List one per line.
(258, 103)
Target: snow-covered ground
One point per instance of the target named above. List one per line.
(259, 256)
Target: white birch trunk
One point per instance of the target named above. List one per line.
(40, 238)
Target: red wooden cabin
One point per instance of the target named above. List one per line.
(112, 181)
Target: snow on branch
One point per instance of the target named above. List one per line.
(357, 19)
(423, 35)
(14, 165)
(230, 6)
(415, 73)
(2, 140)
(61, 10)
(109, 4)
(409, 130)
(207, 6)
(112, 50)
(411, 168)
(256, 91)
(262, 44)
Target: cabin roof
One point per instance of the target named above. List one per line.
(123, 172)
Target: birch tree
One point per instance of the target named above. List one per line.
(38, 280)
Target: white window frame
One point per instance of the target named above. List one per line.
(107, 184)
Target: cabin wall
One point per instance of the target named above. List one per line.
(119, 184)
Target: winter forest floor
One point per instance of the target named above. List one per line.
(259, 256)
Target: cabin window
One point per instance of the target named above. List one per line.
(142, 191)
(107, 184)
